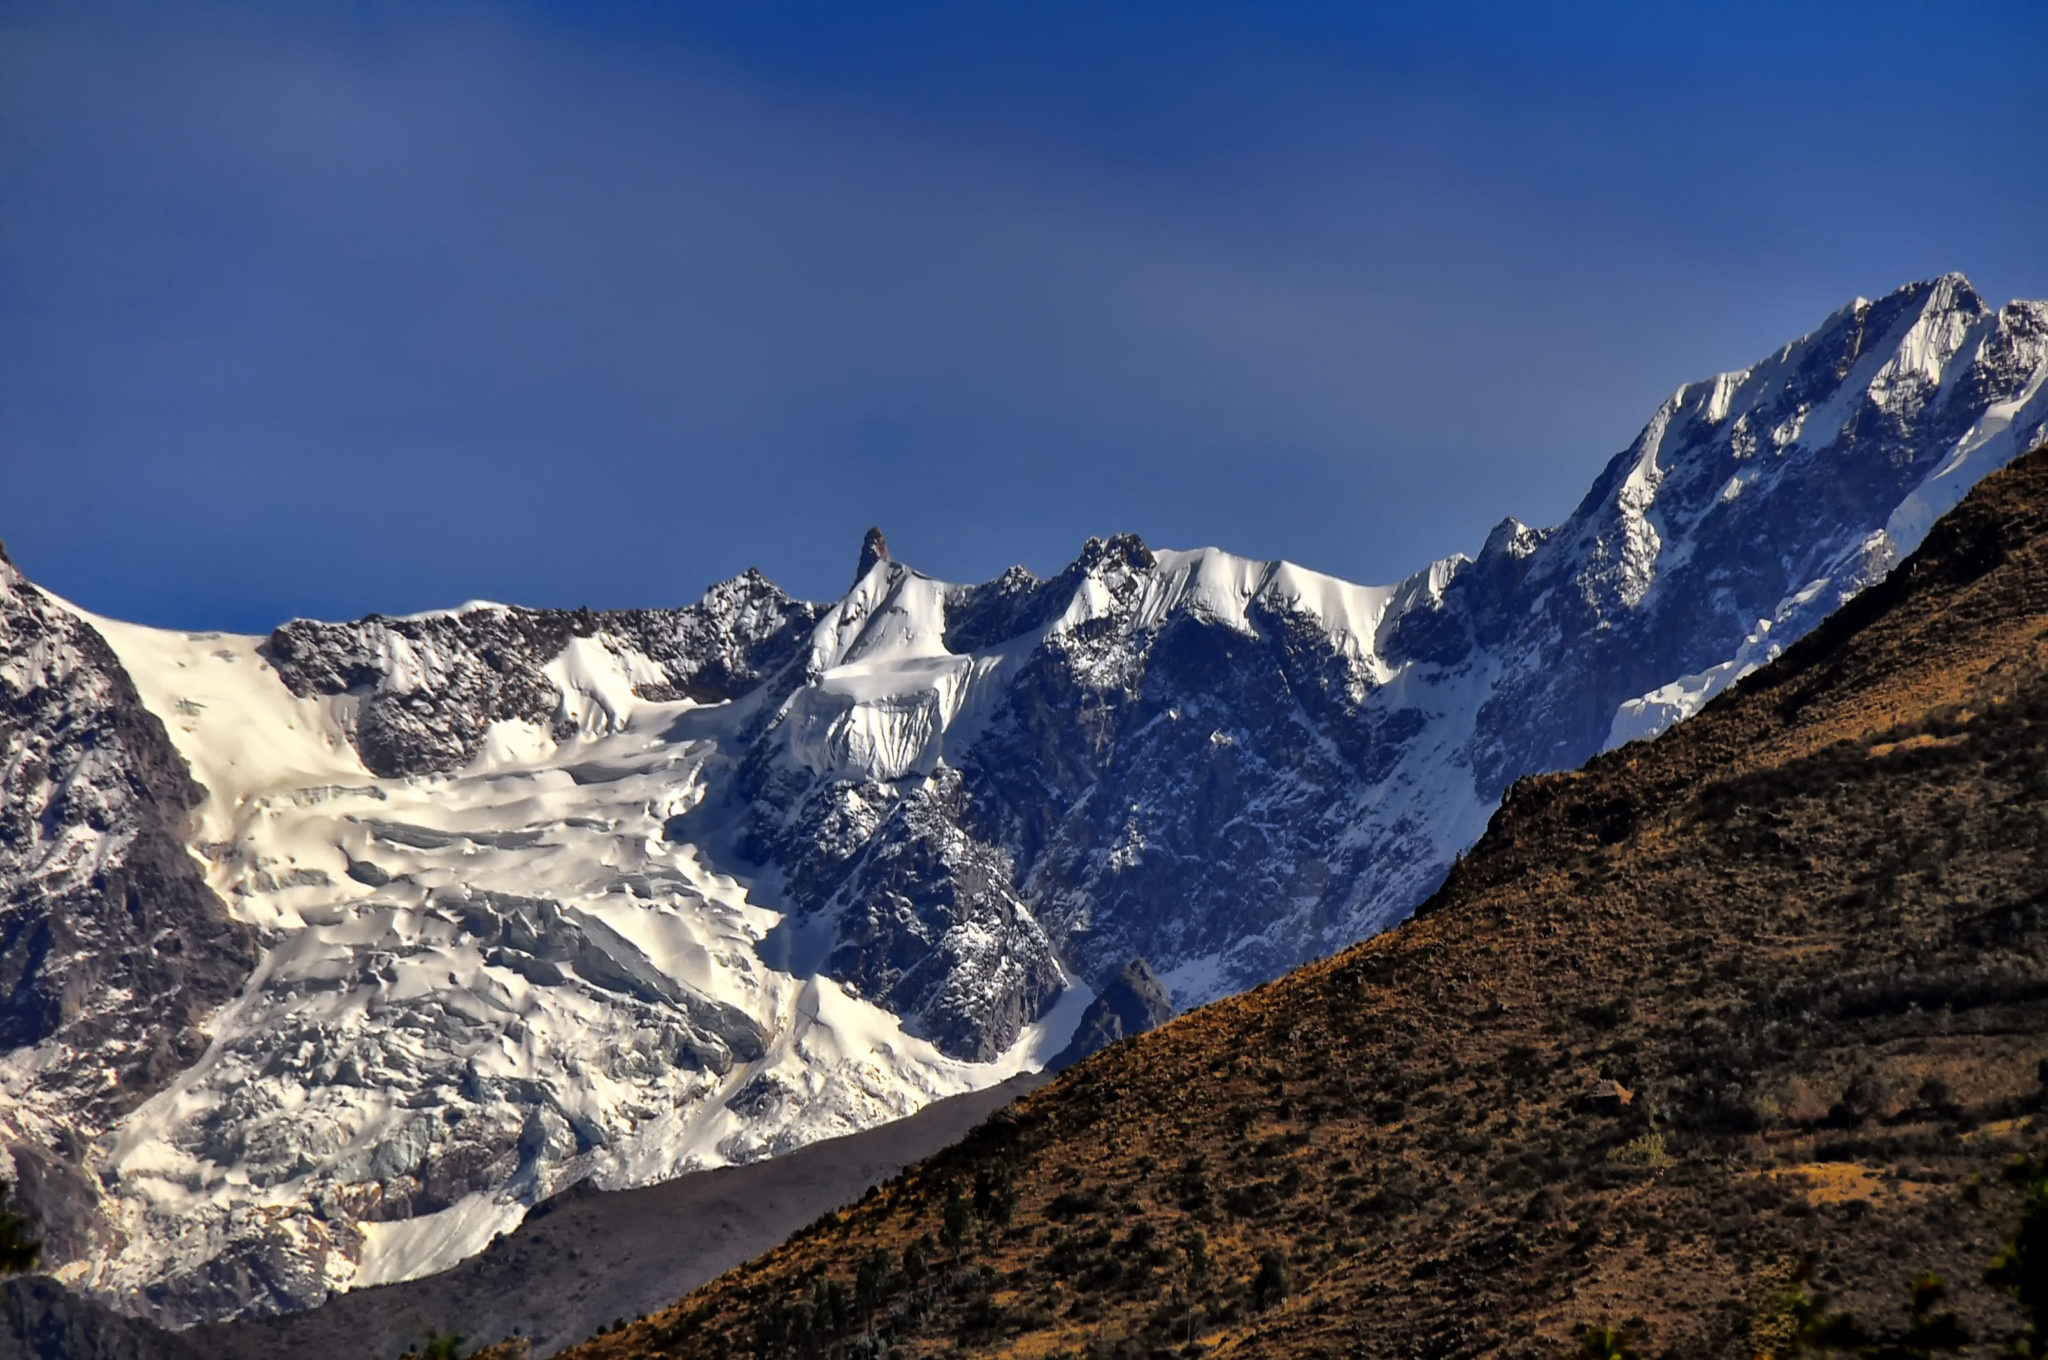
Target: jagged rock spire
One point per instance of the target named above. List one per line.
(874, 548)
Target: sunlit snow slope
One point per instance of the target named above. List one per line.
(545, 895)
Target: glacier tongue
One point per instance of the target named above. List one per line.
(546, 895)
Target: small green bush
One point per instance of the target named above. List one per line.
(1646, 1152)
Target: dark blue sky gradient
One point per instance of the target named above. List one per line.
(305, 313)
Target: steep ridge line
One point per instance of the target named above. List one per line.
(545, 896)
(1757, 1009)
(114, 953)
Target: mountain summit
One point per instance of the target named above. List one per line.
(873, 548)
(543, 896)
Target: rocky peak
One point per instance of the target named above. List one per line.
(873, 548)
(431, 685)
(1131, 1002)
(1511, 538)
(1124, 551)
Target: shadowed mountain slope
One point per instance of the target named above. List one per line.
(1772, 989)
(113, 950)
(42, 1320)
(632, 1250)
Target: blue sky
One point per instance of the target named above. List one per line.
(324, 310)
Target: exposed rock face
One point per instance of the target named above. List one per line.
(431, 686)
(107, 917)
(41, 1320)
(112, 948)
(1230, 767)
(873, 548)
(1132, 1002)
(929, 921)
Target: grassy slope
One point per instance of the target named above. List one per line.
(1806, 930)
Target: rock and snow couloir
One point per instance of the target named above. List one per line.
(544, 895)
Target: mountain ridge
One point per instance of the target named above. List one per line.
(1720, 1032)
(544, 896)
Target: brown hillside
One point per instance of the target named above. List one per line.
(1773, 988)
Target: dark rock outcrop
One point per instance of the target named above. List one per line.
(42, 1320)
(432, 685)
(1130, 1003)
(113, 950)
(108, 932)
(873, 548)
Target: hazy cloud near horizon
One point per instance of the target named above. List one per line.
(318, 319)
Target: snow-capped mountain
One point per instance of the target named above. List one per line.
(541, 895)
